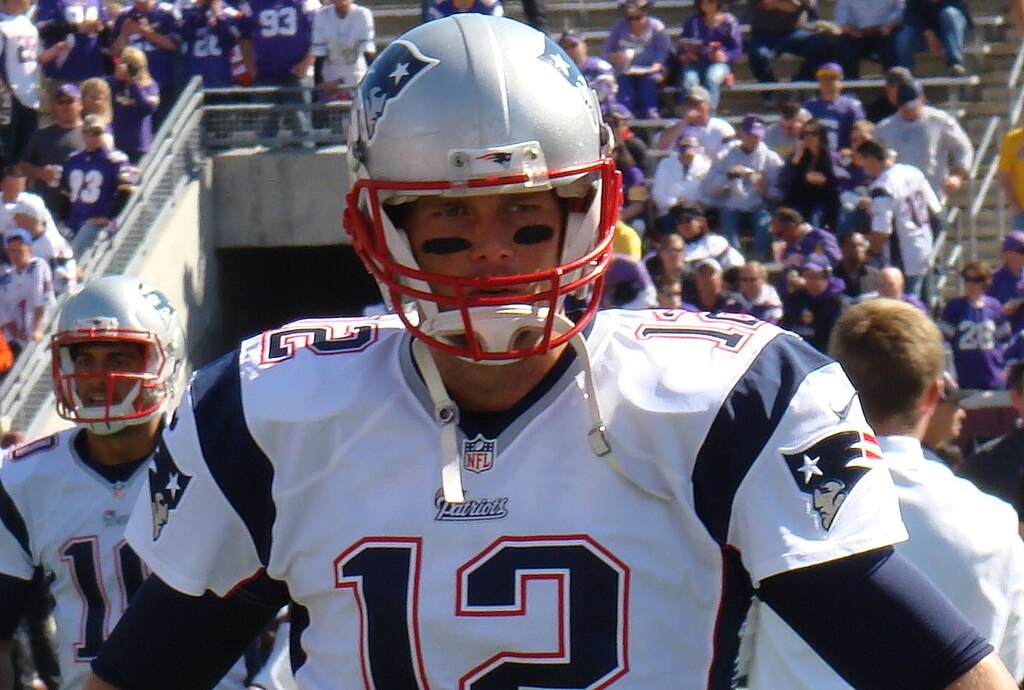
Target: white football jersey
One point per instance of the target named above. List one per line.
(313, 454)
(902, 202)
(64, 516)
(343, 42)
(21, 292)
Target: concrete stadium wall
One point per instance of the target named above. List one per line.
(282, 198)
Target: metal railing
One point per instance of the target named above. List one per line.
(171, 161)
(273, 117)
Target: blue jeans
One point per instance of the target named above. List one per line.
(639, 94)
(951, 31)
(758, 222)
(762, 49)
(852, 50)
(709, 74)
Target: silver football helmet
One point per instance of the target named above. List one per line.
(117, 309)
(475, 105)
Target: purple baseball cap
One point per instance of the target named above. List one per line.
(1014, 241)
(753, 124)
(67, 90)
(817, 262)
(830, 69)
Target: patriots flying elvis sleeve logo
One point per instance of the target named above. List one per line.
(399, 65)
(167, 485)
(829, 468)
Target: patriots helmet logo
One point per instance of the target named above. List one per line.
(167, 485)
(502, 158)
(400, 64)
(556, 57)
(829, 468)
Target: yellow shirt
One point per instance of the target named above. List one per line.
(1011, 160)
(626, 240)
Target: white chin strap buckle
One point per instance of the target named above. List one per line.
(495, 329)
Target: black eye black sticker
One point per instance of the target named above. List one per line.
(533, 234)
(446, 245)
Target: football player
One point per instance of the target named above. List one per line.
(65, 499)
(490, 494)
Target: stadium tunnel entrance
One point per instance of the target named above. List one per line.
(262, 288)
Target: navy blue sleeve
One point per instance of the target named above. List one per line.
(919, 640)
(167, 640)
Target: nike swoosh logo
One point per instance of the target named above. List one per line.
(845, 411)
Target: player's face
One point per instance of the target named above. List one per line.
(486, 236)
(93, 361)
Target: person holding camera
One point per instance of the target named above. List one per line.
(210, 34)
(152, 28)
(136, 99)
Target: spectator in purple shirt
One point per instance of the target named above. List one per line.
(801, 241)
(136, 97)
(854, 183)
(891, 284)
(1008, 281)
(638, 47)
(77, 25)
(209, 35)
(276, 39)
(95, 180)
(152, 28)
(634, 190)
(833, 108)
(708, 46)
(599, 73)
(812, 311)
(976, 330)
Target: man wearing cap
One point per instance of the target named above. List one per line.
(599, 73)
(835, 110)
(1008, 281)
(47, 243)
(782, 26)
(26, 290)
(50, 146)
(902, 207)
(886, 103)
(965, 541)
(1011, 174)
(709, 286)
(869, 28)
(939, 441)
(741, 182)
(96, 180)
(949, 20)
(695, 113)
(678, 179)
(929, 139)
(812, 310)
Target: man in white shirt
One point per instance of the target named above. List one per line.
(26, 290)
(343, 35)
(964, 540)
(929, 139)
(695, 114)
(678, 179)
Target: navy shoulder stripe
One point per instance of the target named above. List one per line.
(747, 418)
(12, 520)
(242, 471)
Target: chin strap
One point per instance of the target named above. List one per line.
(446, 414)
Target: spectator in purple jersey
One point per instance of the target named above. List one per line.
(801, 241)
(95, 180)
(977, 330)
(634, 189)
(628, 285)
(599, 73)
(446, 8)
(812, 311)
(152, 28)
(276, 39)
(638, 48)
(708, 46)
(1008, 281)
(755, 295)
(892, 285)
(209, 34)
(136, 97)
(834, 109)
(80, 27)
(810, 178)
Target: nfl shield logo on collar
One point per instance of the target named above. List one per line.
(478, 454)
